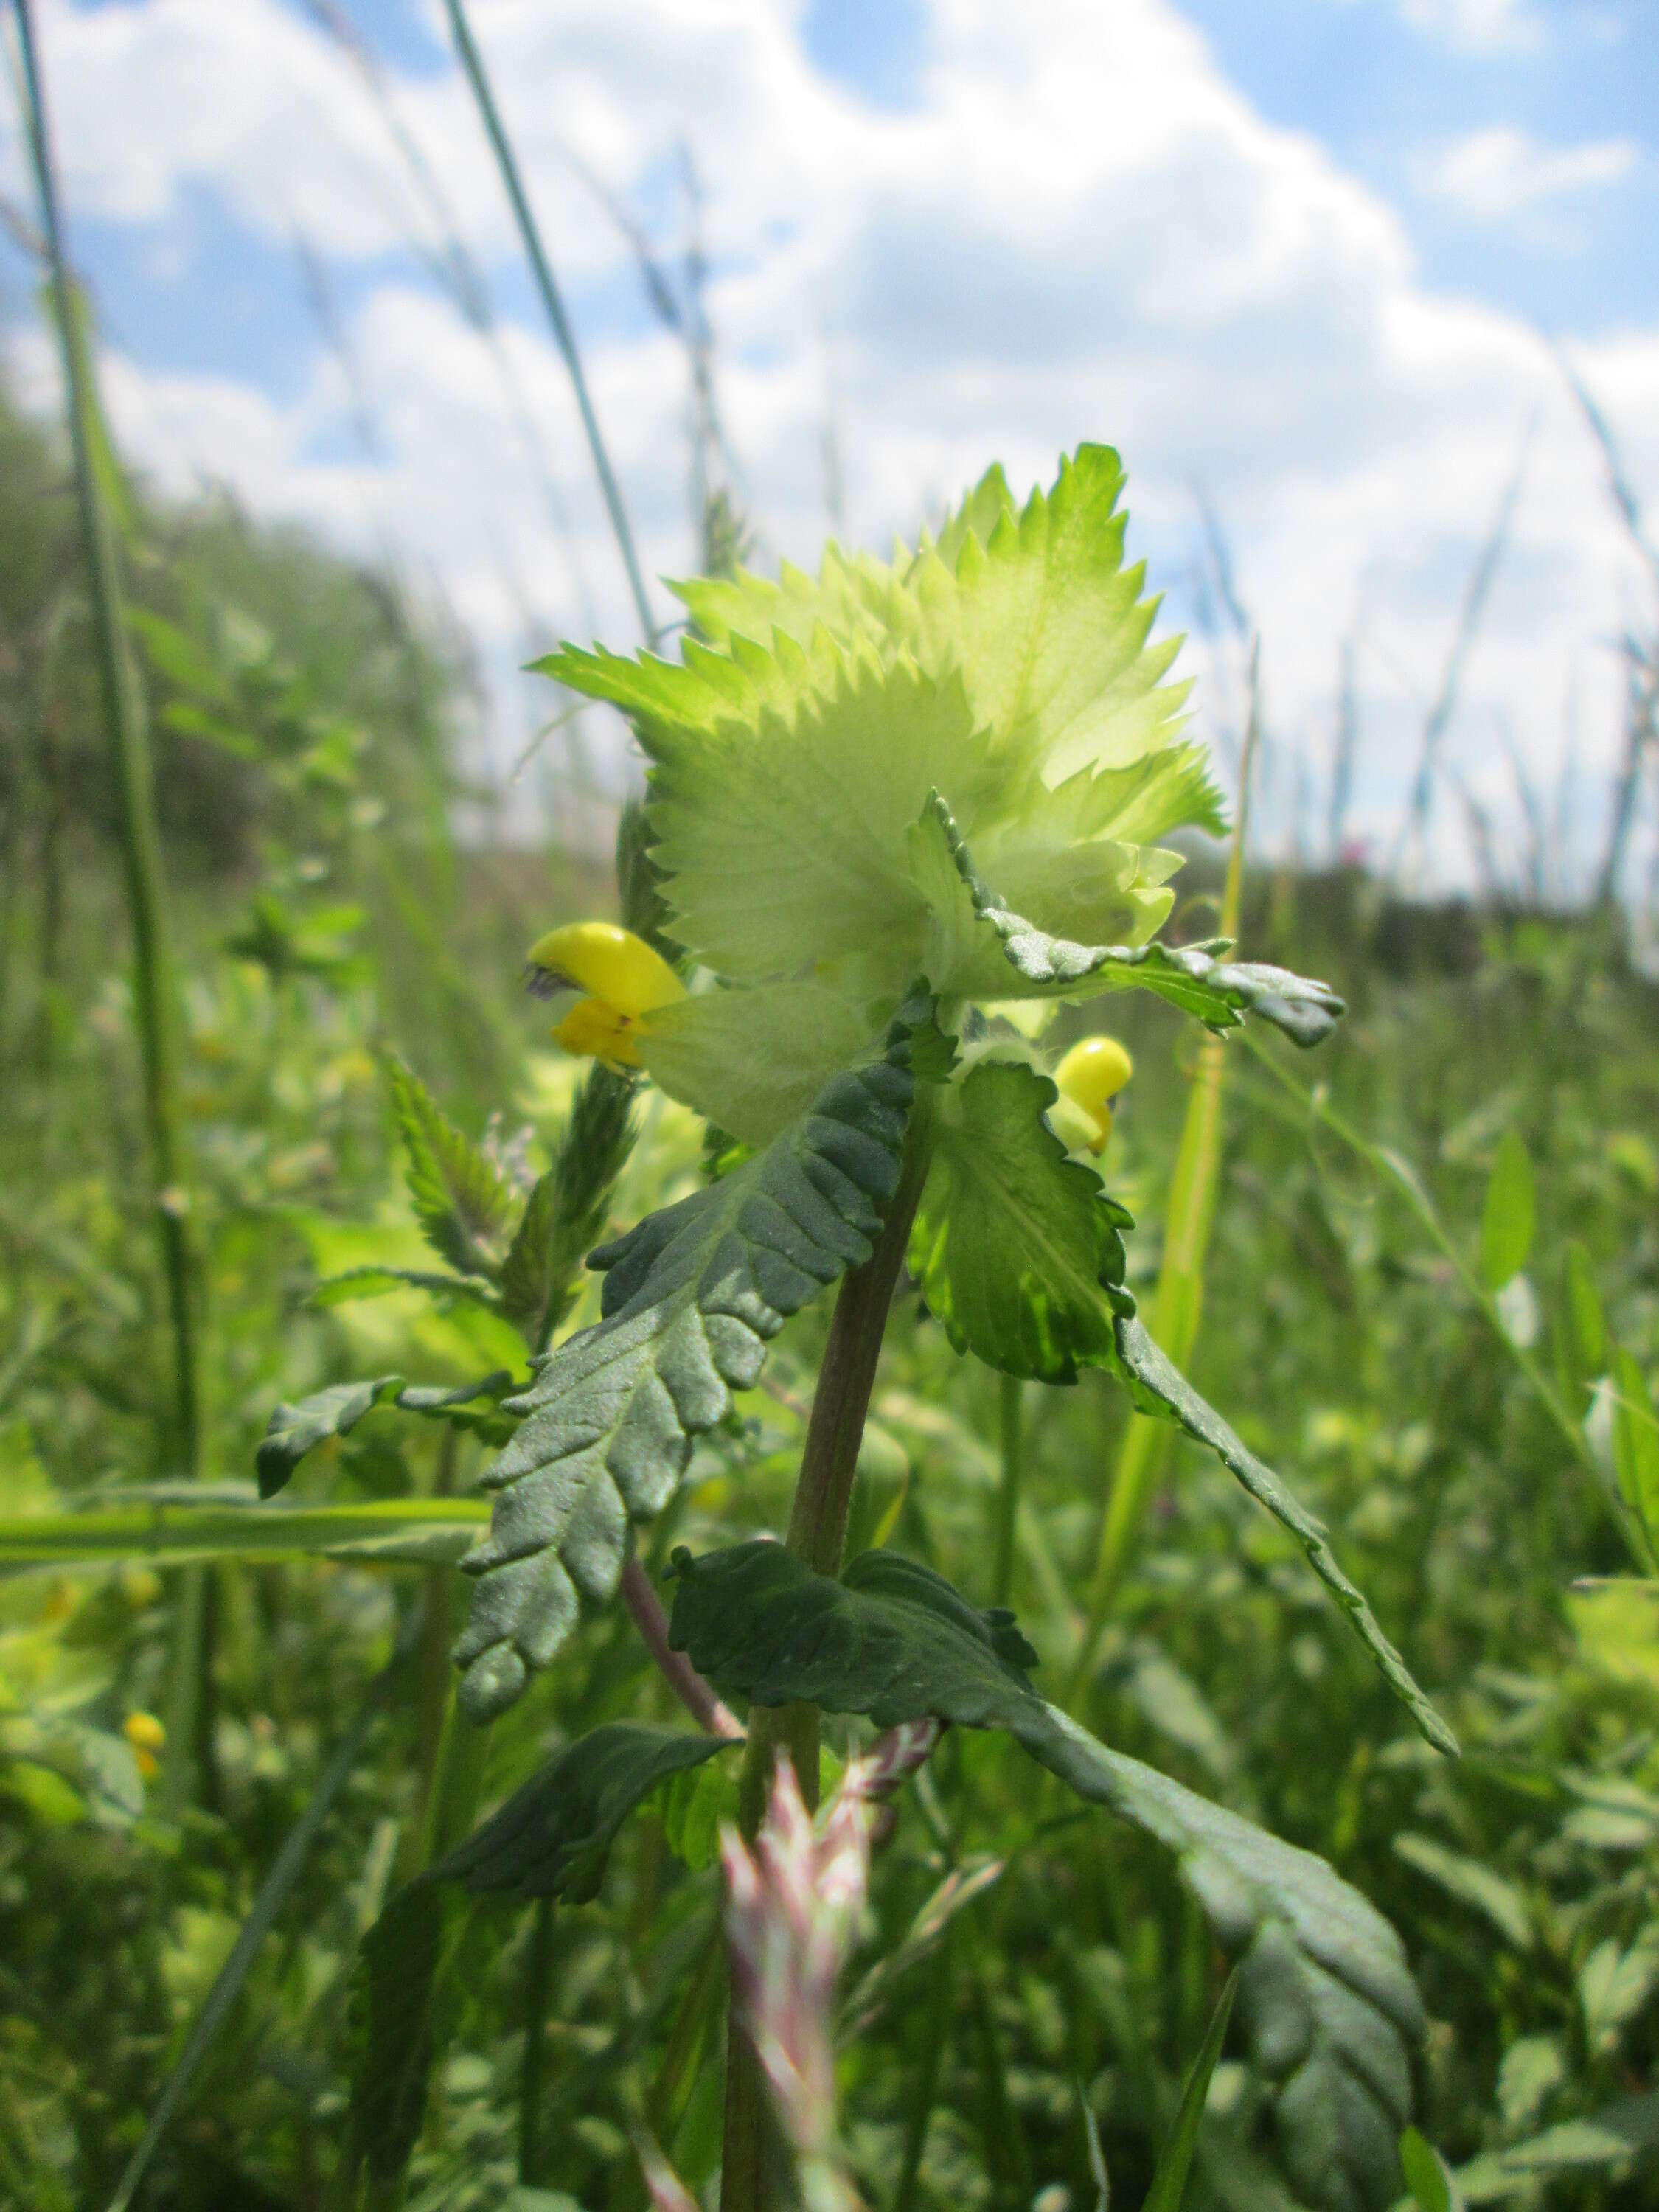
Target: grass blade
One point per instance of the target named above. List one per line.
(170, 1530)
(1175, 2159)
(472, 62)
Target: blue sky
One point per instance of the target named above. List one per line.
(1297, 253)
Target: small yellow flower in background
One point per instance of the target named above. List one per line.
(147, 1736)
(624, 977)
(1090, 1077)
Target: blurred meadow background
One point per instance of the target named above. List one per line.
(1363, 293)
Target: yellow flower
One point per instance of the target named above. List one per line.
(147, 1735)
(1089, 1078)
(624, 980)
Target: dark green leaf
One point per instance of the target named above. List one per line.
(390, 2031)
(1506, 1220)
(691, 1298)
(295, 1429)
(1329, 2003)
(462, 1202)
(551, 1838)
(1159, 1387)
(1018, 1249)
(1175, 2159)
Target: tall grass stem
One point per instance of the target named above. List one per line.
(154, 988)
(542, 267)
(129, 760)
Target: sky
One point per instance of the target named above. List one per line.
(1313, 266)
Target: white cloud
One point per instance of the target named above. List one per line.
(1481, 27)
(1079, 229)
(1500, 172)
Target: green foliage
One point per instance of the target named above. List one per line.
(391, 2038)
(550, 1840)
(1635, 1449)
(1017, 1249)
(1432, 2187)
(461, 1199)
(1030, 1980)
(566, 1209)
(691, 1298)
(296, 1429)
(1506, 1224)
(1608, 2144)
(553, 1836)
(1329, 2003)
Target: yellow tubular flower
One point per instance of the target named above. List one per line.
(1089, 1078)
(147, 1735)
(624, 980)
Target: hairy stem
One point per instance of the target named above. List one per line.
(817, 1532)
(676, 1670)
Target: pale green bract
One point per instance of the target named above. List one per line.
(830, 750)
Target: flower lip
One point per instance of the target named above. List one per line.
(611, 964)
(1089, 1078)
(594, 1030)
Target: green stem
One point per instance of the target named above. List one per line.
(1013, 1426)
(472, 61)
(817, 1532)
(152, 979)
